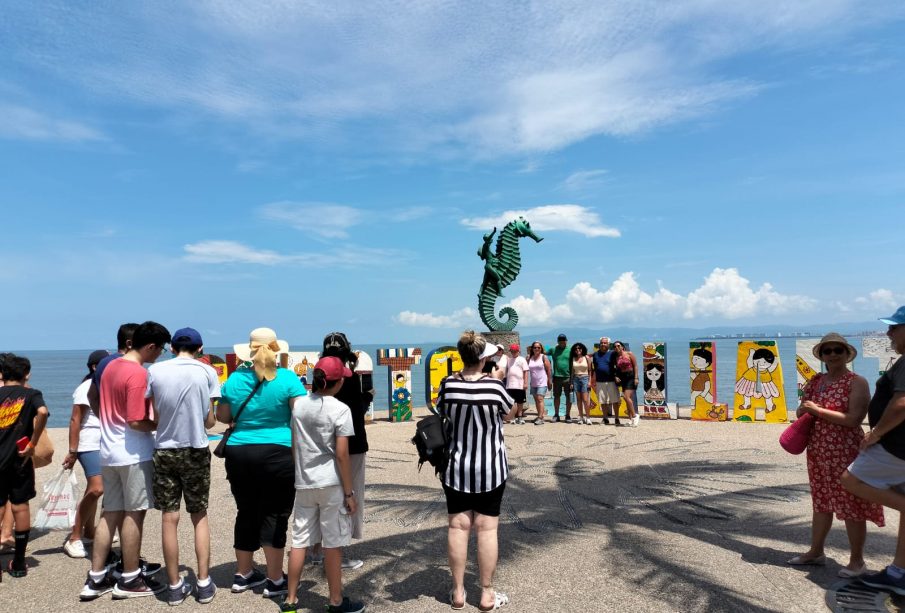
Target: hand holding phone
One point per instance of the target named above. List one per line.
(22, 443)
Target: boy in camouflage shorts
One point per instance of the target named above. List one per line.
(183, 390)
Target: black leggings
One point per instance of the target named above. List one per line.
(262, 480)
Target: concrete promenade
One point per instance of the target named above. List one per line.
(669, 516)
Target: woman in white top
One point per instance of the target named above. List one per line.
(580, 368)
(85, 446)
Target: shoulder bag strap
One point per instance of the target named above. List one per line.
(242, 408)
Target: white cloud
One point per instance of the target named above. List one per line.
(584, 179)
(553, 217)
(431, 74)
(323, 219)
(411, 213)
(462, 317)
(21, 123)
(879, 298)
(233, 252)
(724, 294)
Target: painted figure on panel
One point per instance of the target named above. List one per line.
(701, 374)
(757, 381)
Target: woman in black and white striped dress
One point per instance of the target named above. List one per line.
(476, 405)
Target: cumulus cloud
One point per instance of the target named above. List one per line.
(22, 123)
(457, 319)
(879, 298)
(432, 74)
(233, 252)
(724, 294)
(551, 218)
(323, 219)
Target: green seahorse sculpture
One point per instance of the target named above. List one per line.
(501, 267)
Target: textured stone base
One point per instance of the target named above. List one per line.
(502, 338)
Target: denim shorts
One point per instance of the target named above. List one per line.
(91, 462)
(538, 391)
(580, 384)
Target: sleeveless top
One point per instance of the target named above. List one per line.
(624, 363)
(580, 367)
(538, 372)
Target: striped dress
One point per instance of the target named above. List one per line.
(477, 453)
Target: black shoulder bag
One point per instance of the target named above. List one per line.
(220, 449)
(430, 439)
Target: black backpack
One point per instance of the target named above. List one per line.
(430, 441)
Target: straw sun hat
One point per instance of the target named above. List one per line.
(835, 337)
(262, 348)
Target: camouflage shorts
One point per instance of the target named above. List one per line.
(182, 472)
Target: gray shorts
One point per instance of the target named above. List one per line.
(128, 488)
(880, 469)
(607, 393)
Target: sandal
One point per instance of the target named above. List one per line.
(499, 599)
(803, 561)
(452, 602)
(18, 574)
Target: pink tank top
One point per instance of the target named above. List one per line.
(538, 373)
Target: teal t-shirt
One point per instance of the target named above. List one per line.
(560, 360)
(265, 419)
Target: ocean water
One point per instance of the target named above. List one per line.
(57, 372)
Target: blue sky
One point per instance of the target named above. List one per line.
(320, 166)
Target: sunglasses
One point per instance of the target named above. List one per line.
(831, 350)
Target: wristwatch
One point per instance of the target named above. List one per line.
(350, 494)
(74, 451)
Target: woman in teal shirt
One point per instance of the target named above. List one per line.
(259, 463)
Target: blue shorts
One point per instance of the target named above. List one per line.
(580, 384)
(538, 391)
(91, 463)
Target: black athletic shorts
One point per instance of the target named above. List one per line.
(486, 503)
(17, 482)
(518, 394)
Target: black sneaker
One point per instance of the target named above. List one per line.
(148, 569)
(289, 607)
(556, 419)
(618, 423)
(137, 588)
(272, 590)
(347, 606)
(240, 583)
(95, 589)
(177, 595)
(206, 593)
(884, 581)
(606, 421)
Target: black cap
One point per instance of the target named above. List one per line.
(96, 356)
(561, 337)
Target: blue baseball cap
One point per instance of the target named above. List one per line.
(186, 336)
(896, 318)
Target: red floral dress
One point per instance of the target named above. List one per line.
(831, 449)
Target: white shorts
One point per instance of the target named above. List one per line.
(128, 488)
(880, 469)
(320, 516)
(607, 392)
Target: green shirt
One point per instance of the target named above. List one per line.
(560, 360)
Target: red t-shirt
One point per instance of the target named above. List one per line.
(122, 391)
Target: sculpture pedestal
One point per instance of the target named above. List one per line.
(502, 338)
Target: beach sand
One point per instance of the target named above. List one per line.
(670, 516)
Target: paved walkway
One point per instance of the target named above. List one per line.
(669, 516)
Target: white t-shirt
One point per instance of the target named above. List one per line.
(90, 429)
(316, 422)
(515, 376)
(182, 389)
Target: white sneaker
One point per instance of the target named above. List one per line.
(75, 549)
(636, 420)
(352, 564)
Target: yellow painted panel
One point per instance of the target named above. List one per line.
(702, 360)
(441, 363)
(759, 382)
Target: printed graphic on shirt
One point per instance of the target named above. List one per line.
(9, 411)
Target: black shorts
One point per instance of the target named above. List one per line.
(485, 503)
(628, 384)
(562, 385)
(17, 482)
(518, 394)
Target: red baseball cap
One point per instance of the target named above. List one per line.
(333, 368)
(514, 347)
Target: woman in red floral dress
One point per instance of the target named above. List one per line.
(838, 399)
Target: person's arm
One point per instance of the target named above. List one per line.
(893, 416)
(592, 373)
(750, 360)
(345, 473)
(75, 427)
(224, 412)
(634, 365)
(40, 423)
(858, 399)
(210, 419)
(549, 371)
(138, 405)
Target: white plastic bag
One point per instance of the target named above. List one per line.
(58, 503)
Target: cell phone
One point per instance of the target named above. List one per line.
(22, 443)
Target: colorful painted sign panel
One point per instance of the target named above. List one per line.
(758, 382)
(441, 363)
(399, 361)
(806, 365)
(653, 403)
(704, 406)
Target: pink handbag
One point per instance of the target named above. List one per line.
(794, 439)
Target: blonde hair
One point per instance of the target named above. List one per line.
(471, 346)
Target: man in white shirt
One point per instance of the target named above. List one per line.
(516, 382)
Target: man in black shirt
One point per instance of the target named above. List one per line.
(23, 416)
(878, 473)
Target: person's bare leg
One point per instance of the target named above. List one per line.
(887, 497)
(486, 531)
(539, 406)
(820, 528)
(629, 405)
(274, 559)
(857, 535)
(202, 544)
(6, 525)
(333, 559)
(244, 561)
(87, 509)
(296, 563)
(457, 551)
(169, 536)
(130, 539)
(103, 538)
(899, 559)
